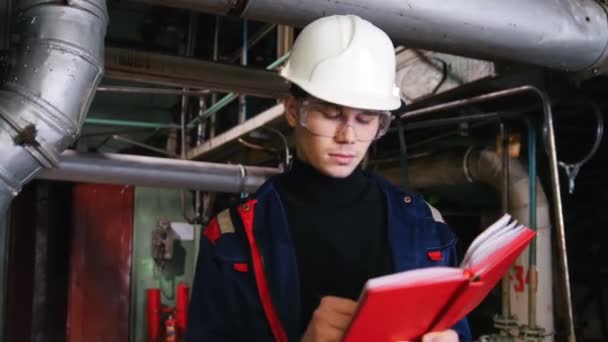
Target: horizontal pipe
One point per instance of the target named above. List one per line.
(128, 123)
(157, 172)
(561, 34)
(151, 91)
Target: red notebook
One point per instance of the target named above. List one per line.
(406, 305)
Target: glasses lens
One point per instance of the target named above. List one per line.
(325, 119)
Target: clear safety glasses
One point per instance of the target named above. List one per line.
(327, 120)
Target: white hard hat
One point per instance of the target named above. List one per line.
(345, 60)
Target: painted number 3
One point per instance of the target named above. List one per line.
(520, 282)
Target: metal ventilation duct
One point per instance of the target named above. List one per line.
(50, 86)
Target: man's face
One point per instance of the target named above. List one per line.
(343, 141)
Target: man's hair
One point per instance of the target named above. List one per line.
(297, 92)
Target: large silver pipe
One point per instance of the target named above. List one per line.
(496, 30)
(50, 86)
(157, 172)
(487, 167)
(553, 168)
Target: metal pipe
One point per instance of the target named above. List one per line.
(157, 172)
(496, 30)
(151, 91)
(221, 7)
(5, 33)
(553, 165)
(47, 94)
(285, 36)
(185, 107)
(62, 53)
(254, 40)
(532, 272)
(505, 284)
(142, 145)
(485, 166)
(244, 60)
(216, 48)
(126, 123)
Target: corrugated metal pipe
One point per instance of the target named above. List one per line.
(157, 172)
(560, 34)
(485, 166)
(50, 86)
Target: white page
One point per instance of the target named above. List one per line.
(417, 276)
(497, 226)
(490, 247)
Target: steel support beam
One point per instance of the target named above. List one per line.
(154, 68)
(267, 117)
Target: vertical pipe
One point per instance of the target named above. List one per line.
(551, 150)
(506, 283)
(185, 106)
(5, 28)
(202, 106)
(284, 39)
(216, 44)
(244, 61)
(532, 272)
(285, 36)
(559, 218)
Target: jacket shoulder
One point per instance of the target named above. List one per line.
(412, 200)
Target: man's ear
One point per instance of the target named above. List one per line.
(291, 110)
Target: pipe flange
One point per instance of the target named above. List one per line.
(243, 178)
(465, 165)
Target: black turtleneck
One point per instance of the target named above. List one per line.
(338, 228)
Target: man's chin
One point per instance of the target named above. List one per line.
(339, 171)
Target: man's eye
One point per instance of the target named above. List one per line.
(366, 118)
(331, 114)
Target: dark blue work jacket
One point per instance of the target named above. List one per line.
(246, 286)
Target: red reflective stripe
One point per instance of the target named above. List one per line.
(275, 325)
(435, 255)
(213, 232)
(241, 267)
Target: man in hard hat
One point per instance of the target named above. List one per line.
(289, 262)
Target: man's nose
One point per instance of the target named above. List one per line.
(347, 134)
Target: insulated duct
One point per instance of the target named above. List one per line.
(157, 172)
(572, 35)
(485, 166)
(50, 86)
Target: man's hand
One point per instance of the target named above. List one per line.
(330, 320)
(441, 336)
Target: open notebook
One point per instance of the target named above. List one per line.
(406, 305)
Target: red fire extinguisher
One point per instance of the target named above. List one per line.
(170, 329)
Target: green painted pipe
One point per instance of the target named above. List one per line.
(126, 123)
(213, 109)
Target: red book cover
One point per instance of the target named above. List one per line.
(404, 306)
